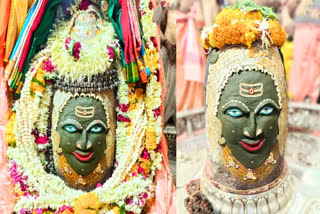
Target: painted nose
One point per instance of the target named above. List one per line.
(84, 143)
(250, 130)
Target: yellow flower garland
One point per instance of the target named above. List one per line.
(234, 26)
(87, 204)
(9, 131)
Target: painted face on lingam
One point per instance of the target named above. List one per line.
(246, 116)
(84, 138)
(249, 112)
(83, 127)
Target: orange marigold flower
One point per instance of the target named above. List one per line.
(145, 168)
(116, 210)
(151, 142)
(277, 33)
(67, 211)
(234, 26)
(9, 131)
(149, 203)
(135, 168)
(87, 204)
(254, 15)
(139, 93)
(145, 164)
(38, 82)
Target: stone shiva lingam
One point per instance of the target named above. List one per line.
(246, 117)
(90, 135)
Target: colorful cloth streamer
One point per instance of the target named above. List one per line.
(17, 46)
(125, 19)
(5, 11)
(30, 41)
(18, 13)
(20, 50)
(39, 37)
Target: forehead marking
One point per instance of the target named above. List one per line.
(251, 90)
(236, 101)
(84, 112)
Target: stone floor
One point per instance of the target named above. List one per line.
(191, 156)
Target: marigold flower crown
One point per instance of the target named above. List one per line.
(242, 24)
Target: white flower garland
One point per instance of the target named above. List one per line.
(41, 123)
(88, 63)
(53, 192)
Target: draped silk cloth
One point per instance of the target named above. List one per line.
(125, 19)
(39, 37)
(305, 71)
(19, 43)
(18, 13)
(32, 29)
(22, 46)
(5, 13)
(190, 63)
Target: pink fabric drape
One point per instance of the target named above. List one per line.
(305, 72)
(192, 50)
(190, 63)
(165, 193)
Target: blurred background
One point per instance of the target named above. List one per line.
(301, 20)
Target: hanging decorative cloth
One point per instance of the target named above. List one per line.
(18, 13)
(37, 36)
(5, 11)
(126, 21)
(18, 55)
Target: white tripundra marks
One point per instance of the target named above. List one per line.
(251, 90)
(84, 112)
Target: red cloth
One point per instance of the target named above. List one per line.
(33, 27)
(126, 31)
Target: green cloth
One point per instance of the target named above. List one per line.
(114, 12)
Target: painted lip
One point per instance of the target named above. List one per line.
(83, 157)
(252, 147)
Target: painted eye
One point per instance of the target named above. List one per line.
(70, 128)
(96, 129)
(234, 112)
(266, 110)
